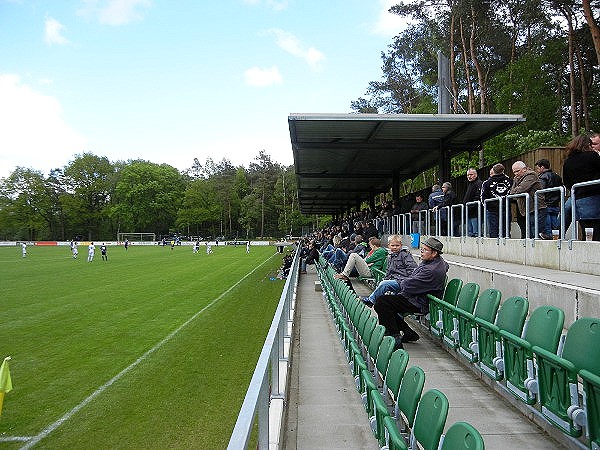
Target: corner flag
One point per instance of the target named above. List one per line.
(5, 381)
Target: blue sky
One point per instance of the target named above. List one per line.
(170, 81)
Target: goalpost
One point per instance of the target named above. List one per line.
(137, 237)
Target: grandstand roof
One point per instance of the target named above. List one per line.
(342, 160)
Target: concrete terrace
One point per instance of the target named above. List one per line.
(325, 409)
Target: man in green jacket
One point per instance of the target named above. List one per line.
(375, 259)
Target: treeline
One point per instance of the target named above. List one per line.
(539, 58)
(92, 198)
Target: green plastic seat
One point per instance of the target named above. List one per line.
(380, 365)
(395, 440)
(407, 403)
(429, 421)
(511, 318)
(359, 363)
(391, 380)
(408, 397)
(485, 309)
(462, 436)
(466, 302)
(450, 296)
(544, 329)
(591, 407)
(557, 375)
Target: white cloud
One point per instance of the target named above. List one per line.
(293, 46)
(389, 24)
(34, 133)
(258, 77)
(53, 32)
(114, 12)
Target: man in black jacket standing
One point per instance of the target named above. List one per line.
(550, 179)
(472, 194)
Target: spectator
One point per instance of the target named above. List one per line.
(418, 225)
(436, 198)
(526, 181)
(549, 179)
(595, 138)
(369, 231)
(428, 278)
(472, 194)
(446, 209)
(495, 187)
(312, 256)
(581, 165)
(375, 259)
(400, 264)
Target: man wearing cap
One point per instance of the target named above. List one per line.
(428, 278)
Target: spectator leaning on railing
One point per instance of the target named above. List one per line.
(527, 181)
(549, 179)
(583, 164)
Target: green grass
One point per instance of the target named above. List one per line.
(71, 326)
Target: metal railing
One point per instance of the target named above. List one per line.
(574, 208)
(265, 384)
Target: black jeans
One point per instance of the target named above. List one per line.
(388, 308)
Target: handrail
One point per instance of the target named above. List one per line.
(573, 208)
(478, 203)
(507, 215)
(260, 391)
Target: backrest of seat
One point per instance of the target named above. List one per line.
(467, 297)
(487, 305)
(430, 419)
(582, 344)
(511, 315)
(462, 436)
(395, 439)
(410, 393)
(591, 387)
(544, 327)
(369, 327)
(396, 370)
(375, 341)
(452, 290)
(362, 321)
(384, 353)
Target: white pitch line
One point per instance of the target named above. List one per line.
(50, 428)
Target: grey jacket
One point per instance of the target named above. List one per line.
(400, 265)
(428, 278)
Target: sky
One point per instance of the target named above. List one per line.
(168, 81)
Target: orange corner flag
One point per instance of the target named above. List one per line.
(5, 381)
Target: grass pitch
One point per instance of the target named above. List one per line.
(153, 349)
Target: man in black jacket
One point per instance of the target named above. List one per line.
(550, 179)
(495, 187)
(472, 194)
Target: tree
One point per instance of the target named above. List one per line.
(147, 197)
(25, 208)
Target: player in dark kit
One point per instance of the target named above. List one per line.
(103, 252)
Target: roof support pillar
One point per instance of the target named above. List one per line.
(396, 185)
(444, 163)
(372, 202)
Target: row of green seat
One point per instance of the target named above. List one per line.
(400, 417)
(527, 353)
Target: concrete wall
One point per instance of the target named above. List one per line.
(562, 289)
(581, 257)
